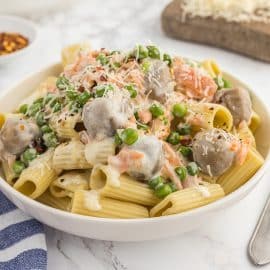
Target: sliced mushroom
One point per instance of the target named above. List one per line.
(103, 116)
(158, 80)
(17, 134)
(212, 151)
(238, 101)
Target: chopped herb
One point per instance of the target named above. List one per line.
(23, 109)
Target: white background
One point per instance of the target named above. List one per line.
(221, 244)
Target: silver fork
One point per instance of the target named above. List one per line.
(259, 245)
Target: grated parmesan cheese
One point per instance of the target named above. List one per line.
(230, 10)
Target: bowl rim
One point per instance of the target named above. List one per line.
(200, 210)
(29, 23)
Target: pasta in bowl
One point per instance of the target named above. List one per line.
(110, 136)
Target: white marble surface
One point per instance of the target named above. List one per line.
(221, 244)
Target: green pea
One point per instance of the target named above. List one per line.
(34, 109)
(129, 136)
(102, 59)
(153, 183)
(163, 190)
(181, 172)
(18, 166)
(184, 129)
(141, 52)
(116, 65)
(173, 186)
(226, 83)
(28, 155)
(167, 58)
(132, 91)
(179, 110)
(83, 98)
(185, 151)
(145, 66)
(156, 110)
(117, 139)
(173, 138)
(62, 82)
(101, 90)
(39, 100)
(48, 98)
(222, 83)
(45, 129)
(153, 52)
(74, 106)
(57, 107)
(23, 109)
(53, 101)
(72, 95)
(50, 139)
(40, 118)
(192, 168)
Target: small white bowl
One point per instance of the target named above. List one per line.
(129, 229)
(22, 26)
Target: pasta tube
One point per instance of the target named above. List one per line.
(98, 151)
(64, 126)
(70, 156)
(209, 116)
(211, 67)
(10, 175)
(245, 134)
(59, 203)
(90, 203)
(238, 175)
(255, 121)
(70, 53)
(110, 184)
(187, 199)
(35, 179)
(66, 184)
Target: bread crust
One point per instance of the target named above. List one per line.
(250, 39)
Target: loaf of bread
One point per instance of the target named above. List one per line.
(251, 38)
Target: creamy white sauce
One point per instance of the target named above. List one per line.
(91, 201)
(203, 190)
(113, 176)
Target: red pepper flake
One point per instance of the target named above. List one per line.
(103, 78)
(81, 89)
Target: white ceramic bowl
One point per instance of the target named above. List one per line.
(119, 229)
(22, 26)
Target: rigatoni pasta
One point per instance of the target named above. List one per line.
(64, 126)
(90, 203)
(209, 116)
(67, 183)
(133, 134)
(37, 177)
(70, 156)
(239, 174)
(187, 199)
(111, 184)
(63, 203)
